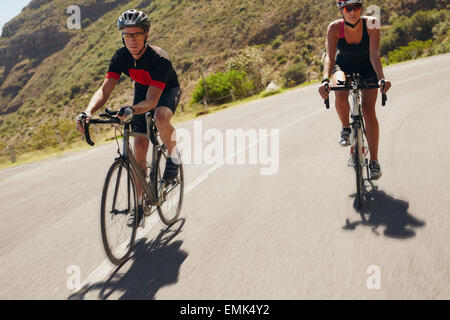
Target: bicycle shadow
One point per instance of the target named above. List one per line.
(154, 265)
(381, 209)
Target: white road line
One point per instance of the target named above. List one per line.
(419, 76)
(106, 267)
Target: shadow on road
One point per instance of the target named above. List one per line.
(154, 265)
(381, 209)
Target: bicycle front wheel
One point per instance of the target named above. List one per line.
(119, 201)
(170, 195)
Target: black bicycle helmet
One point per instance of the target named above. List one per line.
(133, 18)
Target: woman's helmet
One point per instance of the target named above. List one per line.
(133, 18)
(343, 3)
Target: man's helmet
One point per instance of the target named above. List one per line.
(343, 3)
(133, 18)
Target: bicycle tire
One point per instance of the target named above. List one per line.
(168, 211)
(358, 170)
(124, 247)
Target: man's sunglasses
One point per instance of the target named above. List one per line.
(137, 35)
(356, 7)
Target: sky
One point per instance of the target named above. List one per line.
(9, 9)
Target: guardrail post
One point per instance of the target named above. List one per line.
(205, 98)
(12, 154)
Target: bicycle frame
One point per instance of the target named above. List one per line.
(358, 124)
(137, 170)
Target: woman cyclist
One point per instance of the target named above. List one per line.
(357, 42)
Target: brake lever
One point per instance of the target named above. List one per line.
(383, 95)
(327, 100)
(86, 133)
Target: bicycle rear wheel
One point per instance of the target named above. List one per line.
(119, 200)
(170, 195)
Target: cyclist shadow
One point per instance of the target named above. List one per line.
(381, 209)
(154, 265)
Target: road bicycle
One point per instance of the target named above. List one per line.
(354, 83)
(119, 203)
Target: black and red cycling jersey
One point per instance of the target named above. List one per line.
(154, 68)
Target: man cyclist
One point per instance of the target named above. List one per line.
(357, 42)
(156, 88)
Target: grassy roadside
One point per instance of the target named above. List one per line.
(190, 113)
(39, 155)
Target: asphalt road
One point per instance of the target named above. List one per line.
(295, 234)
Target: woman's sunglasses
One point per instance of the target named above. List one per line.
(356, 7)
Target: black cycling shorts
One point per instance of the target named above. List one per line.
(365, 70)
(169, 98)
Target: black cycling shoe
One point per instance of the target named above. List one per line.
(375, 170)
(171, 170)
(345, 136)
(140, 215)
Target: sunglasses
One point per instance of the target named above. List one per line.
(137, 36)
(356, 7)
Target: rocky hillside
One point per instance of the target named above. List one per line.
(49, 72)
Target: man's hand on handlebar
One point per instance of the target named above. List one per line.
(81, 119)
(126, 113)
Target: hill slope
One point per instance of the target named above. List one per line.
(49, 72)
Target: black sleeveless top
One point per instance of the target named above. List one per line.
(354, 54)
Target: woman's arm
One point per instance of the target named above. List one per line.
(331, 44)
(330, 56)
(375, 58)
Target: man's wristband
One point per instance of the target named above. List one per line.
(325, 80)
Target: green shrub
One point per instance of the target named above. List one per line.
(294, 74)
(217, 86)
(443, 47)
(441, 29)
(220, 87)
(252, 62)
(279, 56)
(65, 128)
(74, 90)
(283, 60)
(277, 43)
(70, 137)
(85, 23)
(301, 36)
(423, 25)
(44, 136)
(297, 59)
(413, 50)
(241, 86)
